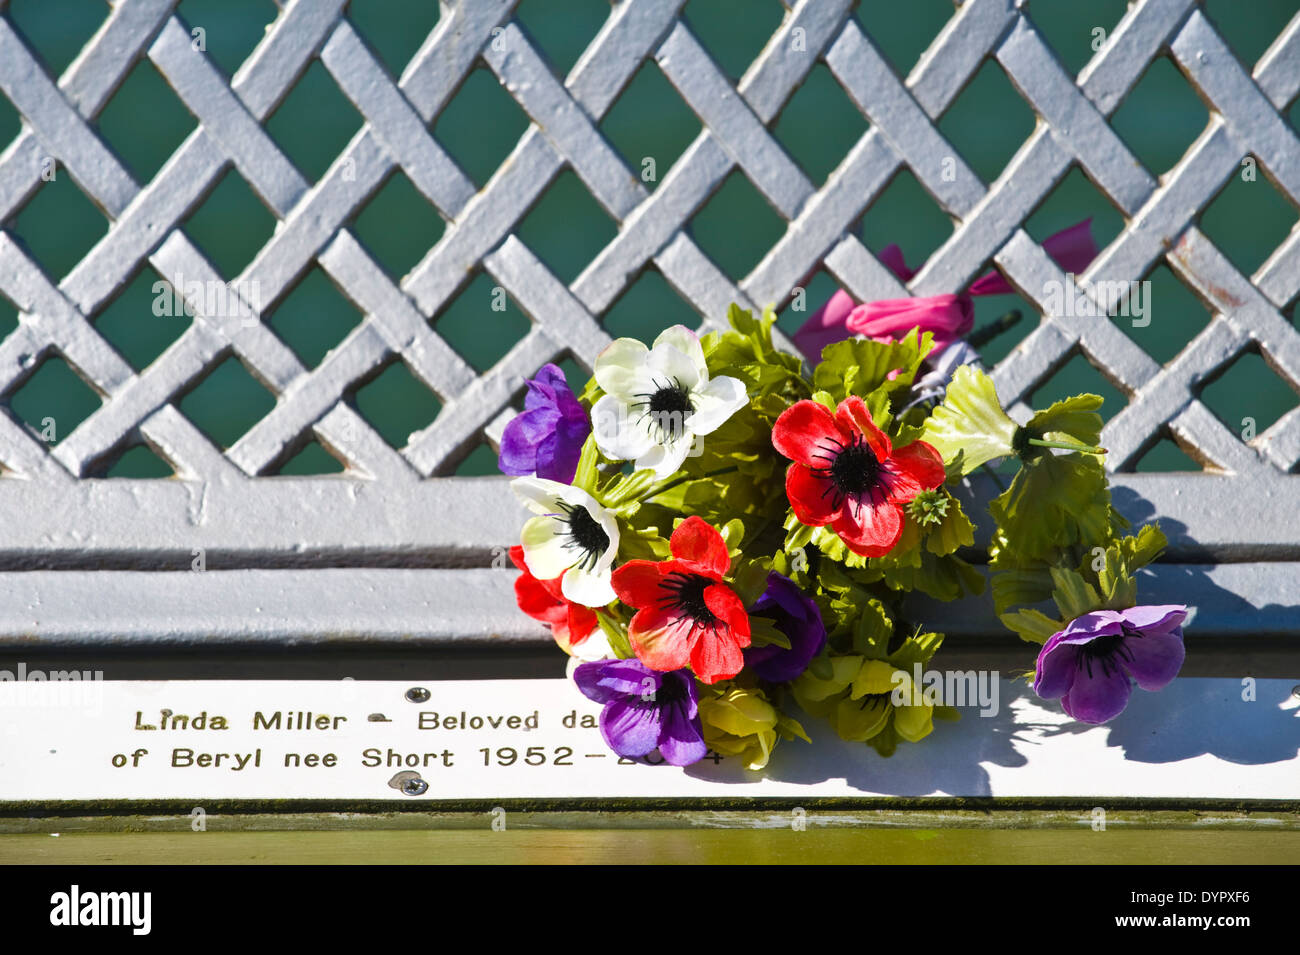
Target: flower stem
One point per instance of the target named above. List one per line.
(1066, 446)
(992, 330)
(997, 478)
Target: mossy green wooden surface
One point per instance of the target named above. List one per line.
(877, 837)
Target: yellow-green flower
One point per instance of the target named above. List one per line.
(863, 698)
(740, 722)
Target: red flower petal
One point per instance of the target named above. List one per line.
(661, 639)
(725, 604)
(803, 432)
(852, 415)
(534, 600)
(581, 623)
(638, 582)
(869, 529)
(717, 657)
(915, 468)
(697, 541)
(811, 496)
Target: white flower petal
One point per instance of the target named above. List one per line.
(621, 368)
(716, 402)
(595, 647)
(577, 497)
(618, 433)
(546, 553)
(591, 588)
(538, 494)
(609, 524)
(664, 459)
(688, 343)
(670, 366)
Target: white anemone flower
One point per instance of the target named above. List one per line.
(658, 399)
(595, 647)
(571, 537)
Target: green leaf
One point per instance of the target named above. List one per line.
(943, 578)
(820, 667)
(954, 529)
(886, 741)
(873, 630)
(1073, 595)
(1019, 585)
(1116, 566)
(615, 633)
(587, 474)
(970, 422)
(624, 489)
(763, 632)
(1054, 501)
(789, 728)
(1074, 417)
(1032, 625)
(913, 650)
(860, 366)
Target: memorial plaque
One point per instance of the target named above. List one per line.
(440, 741)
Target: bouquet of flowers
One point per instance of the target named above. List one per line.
(721, 534)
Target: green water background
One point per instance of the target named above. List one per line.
(145, 122)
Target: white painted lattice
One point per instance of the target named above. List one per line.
(393, 507)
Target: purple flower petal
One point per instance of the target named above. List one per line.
(520, 439)
(558, 461)
(681, 741)
(1057, 664)
(550, 379)
(547, 437)
(1089, 626)
(1157, 619)
(631, 728)
(606, 681)
(1097, 698)
(1155, 658)
(795, 615)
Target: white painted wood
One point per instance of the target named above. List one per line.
(1196, 740)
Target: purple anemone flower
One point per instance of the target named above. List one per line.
(645, 709)
(546, 438)
(1088, 664)
(795, 615)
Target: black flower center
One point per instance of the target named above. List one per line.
(585, 534)
(667, 408)
(1106, 651)
(685, 596)
(670, 691)
(853, 469)
(673, 399)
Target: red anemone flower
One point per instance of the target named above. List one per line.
(685, 613)
(542, 600)
(847, 474)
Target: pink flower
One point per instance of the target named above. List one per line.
(948, 317)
